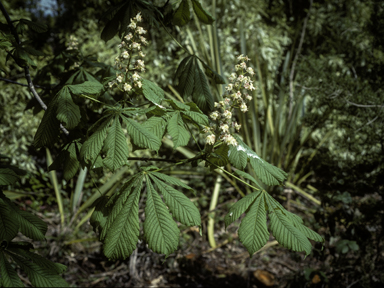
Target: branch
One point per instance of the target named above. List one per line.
(295, 60)
(26, 69)
(153, 159)
(21, 84)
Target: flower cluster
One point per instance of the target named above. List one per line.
(236, 96)
(128, 63)
(73, 43)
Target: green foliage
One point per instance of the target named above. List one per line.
(192, 82)
(117, 219)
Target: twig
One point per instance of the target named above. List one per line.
(21, 84)
(364, 106)
(26, 69)
(295, 60)
(153, 159)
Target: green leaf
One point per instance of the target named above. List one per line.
(198, 117)
(9, 224)
(38, 27)
(185, 75)
(297, 222)
(220, 156)
(156, 125)
(49, 128)
(213, 74)
(237, 158)
(253, 232)
(201, 94)
(33, 51)
(54, 268)
(30, 225)
(152, 92)
(92, 147)
(8, 176)
(171, 180)
(284, 230)
(100, 214)
(160, 231)
(67, 111)
(38, 275)
(124, 229)
(87, 87)
(181, 207)
(115, 146)
(9, 276)
(141, 136)
(266, 172)
(182, 14)
(249, 177)
(71, 163)
(180, 135)
(201, 13)
(22, 57)
(240, 207)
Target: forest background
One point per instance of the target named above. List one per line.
(317, 113)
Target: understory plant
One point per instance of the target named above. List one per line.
(97, 115)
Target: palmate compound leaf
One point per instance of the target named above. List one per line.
(180, 135)
(182, 14)
(197, 117)
(284, 230)
(8, 226)
(155, 125)
(49, 128)
(115, 146)
(266, 172)
(122, 228)
(8, 176)
(286, 227)
(152, 92)
(93, 145)
(201, 13)
(29, 224)
(67, 111)
(9, 277)
(39, 276)
(171, 180)
(160, 231)
(141, 136)
(183, 210)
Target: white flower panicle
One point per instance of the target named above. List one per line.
(234, 97)
(130, 62)
(73, 43)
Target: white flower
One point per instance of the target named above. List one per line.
(139, 84)
(214, 115)
(135, 76)
(110, 84)
(224, 128)
(119, 78)
(125, 54)
(140, 63)
(217, 105)
(128, 36)
(237, 126)
(143, 40)
(227, 114)
(135, 45)
(132, 25)
(141, 54)
(210, 139)
(227, 101)
(140, 30)
(251, 87)
(238, 95)
(250, 71)
(138, 17)
(249, 98)
(240, 78)
(206, 129)
(230, 140)
(127, 87)
(243, 107)
(229, 87)
(233, 77)
(240, 57)
(243, 65)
